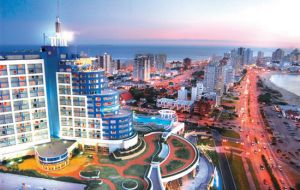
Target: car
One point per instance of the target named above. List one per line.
(265, 182)
(261, 167)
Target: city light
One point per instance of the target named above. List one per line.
(123, 107)
(68, 35)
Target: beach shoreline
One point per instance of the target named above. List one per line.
(289, 97)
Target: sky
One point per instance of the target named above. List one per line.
(257, 23)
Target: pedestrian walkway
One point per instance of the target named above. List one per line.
(202, 178)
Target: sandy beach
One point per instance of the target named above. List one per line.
(288, 96)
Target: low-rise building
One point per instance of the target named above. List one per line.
(178, 105)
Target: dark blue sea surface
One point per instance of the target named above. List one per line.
(127, 52)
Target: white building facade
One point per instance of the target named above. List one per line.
(23, 106)
(182, 94)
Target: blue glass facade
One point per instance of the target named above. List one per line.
(102, 102)
(52, 56)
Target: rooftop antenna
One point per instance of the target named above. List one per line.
(58, 11)
(44, 36)
(57, 23)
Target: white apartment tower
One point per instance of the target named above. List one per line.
(141, 68)
(182, 94)
(194, 94)
(23, 105)
(210, 77)
(228, 74)
(197, 91)
(107, 63)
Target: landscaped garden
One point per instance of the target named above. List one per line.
(90, 164)
(183, 153)
(101, 171)
(174, 165)
(184, 156)
(177, 143)
(136, 170)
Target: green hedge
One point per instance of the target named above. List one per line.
(177, 143)
(174, 165)
(183, 153)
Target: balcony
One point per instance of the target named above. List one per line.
(23, 116)
(5, 142)
(19, 93)
(4, 83)
(36, 91)
(66, 111)
(64, 80)
(22, 128)
(36, 80)
(18, 81)
(5, 107)
(38, 103)
(7, 130)
(24, 138)
(65, 101)
(64, 90)
(39, 114)
(3, 70)
(4, 95)
(17, 69)
(35, 68)
(6, 119)
(40, 126)
(21, 105)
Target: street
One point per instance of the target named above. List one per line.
(256, 139)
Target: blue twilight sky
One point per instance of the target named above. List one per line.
(267, 23)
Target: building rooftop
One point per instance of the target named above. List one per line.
(54, 148)
(19, 57)
(181, 102)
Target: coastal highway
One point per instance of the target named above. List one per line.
(256, 139)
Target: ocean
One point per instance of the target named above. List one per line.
(289, 82)
(127, 52)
